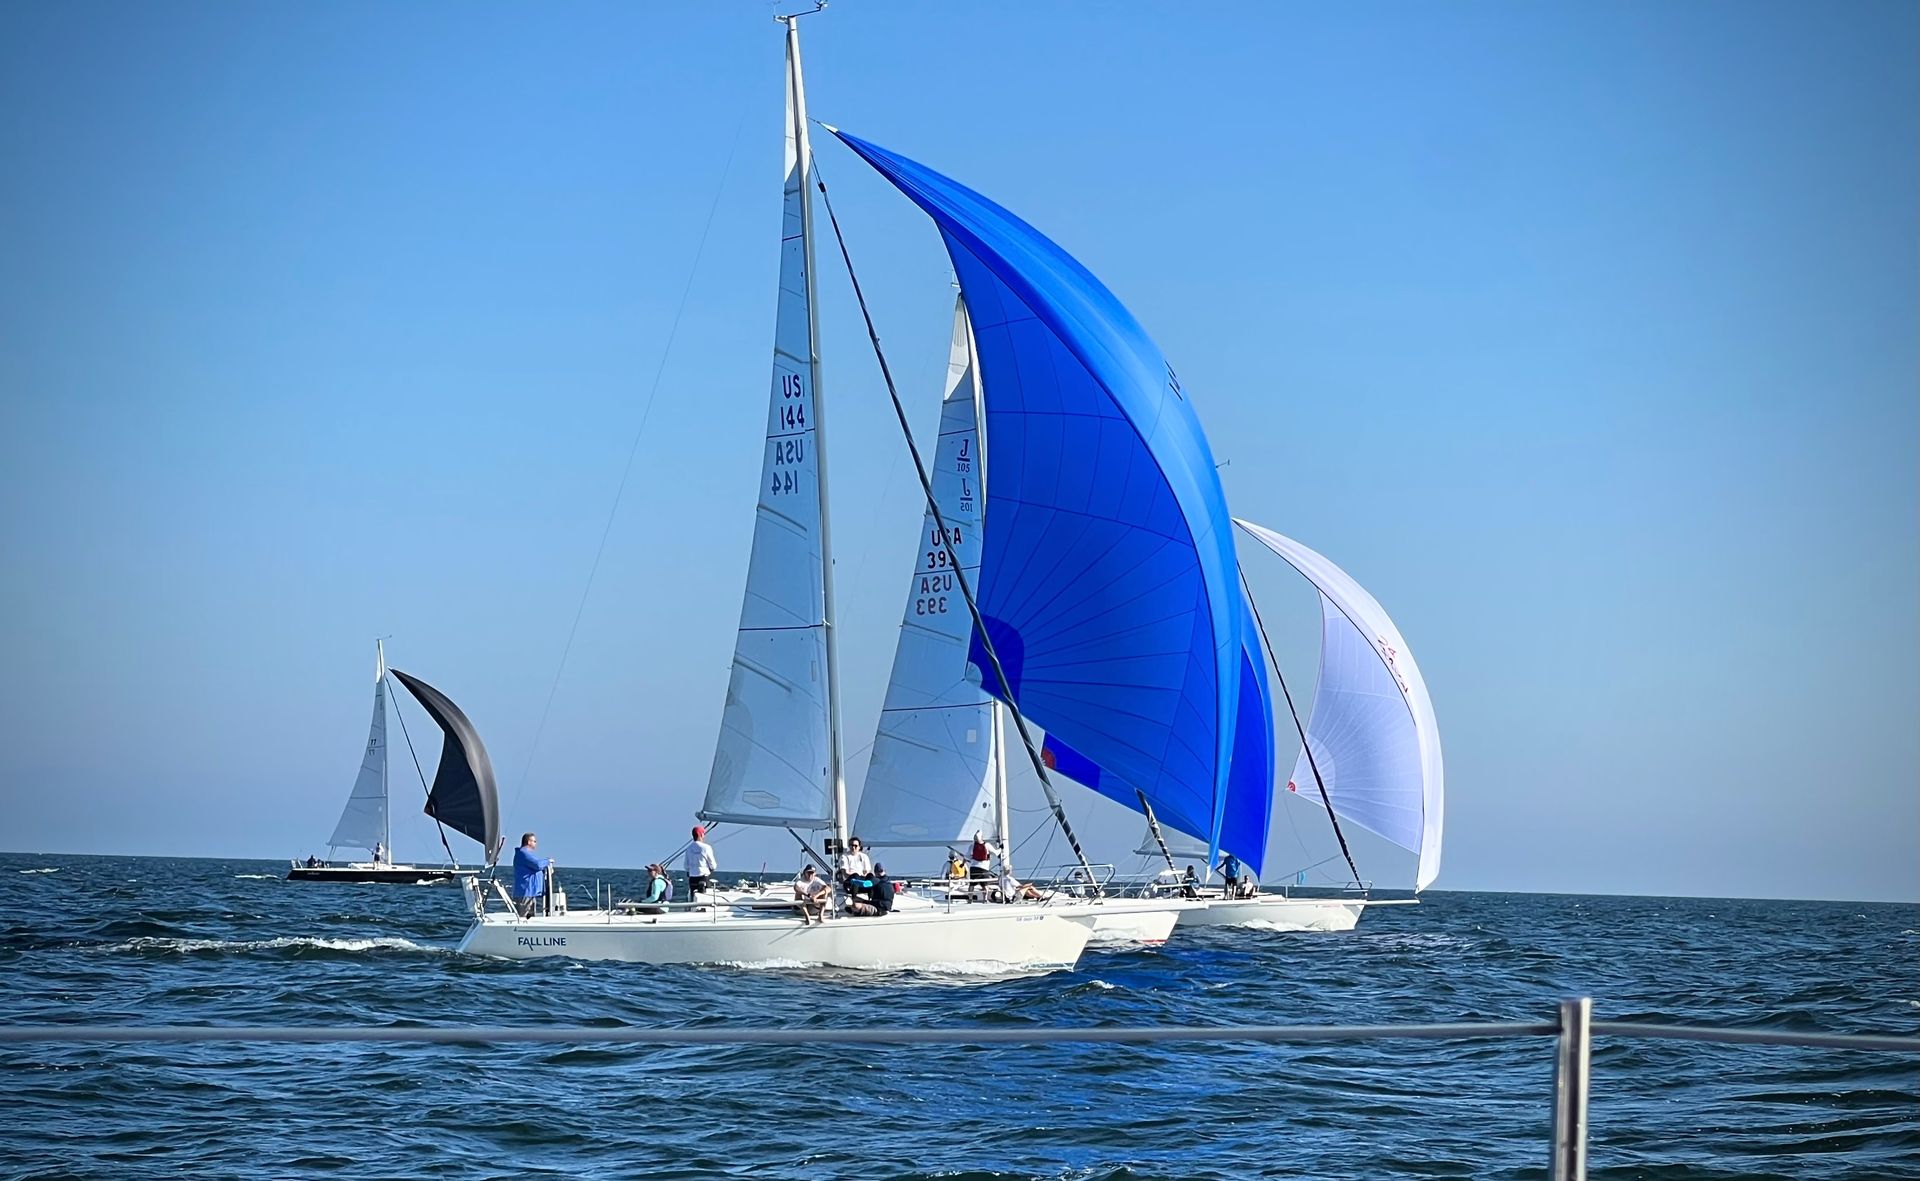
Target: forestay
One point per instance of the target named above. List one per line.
(463, 796)
(771, 764)
(1372, 733)
(1107, 575)
(930, 780)
(363, 823)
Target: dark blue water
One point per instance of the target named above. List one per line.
(93, 940)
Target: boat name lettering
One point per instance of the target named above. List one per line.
(542, 940)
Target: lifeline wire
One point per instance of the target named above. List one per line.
(883, 1035)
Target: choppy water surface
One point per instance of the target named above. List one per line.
(157, 940)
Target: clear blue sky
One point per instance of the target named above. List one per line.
(1585, 336)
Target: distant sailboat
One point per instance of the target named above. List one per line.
(1372, 744)
(464, 802)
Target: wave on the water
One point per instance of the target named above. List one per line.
(256, 877)
(43, 869)
(285, 942)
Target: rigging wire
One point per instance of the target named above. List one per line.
(1306, 746)
(423, 783)
(633, 450)
(946, 535)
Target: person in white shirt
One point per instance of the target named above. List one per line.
(855, 862)
(812, 892)
(1012, 889)
(700, 863)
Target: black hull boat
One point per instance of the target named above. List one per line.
(399, 875)
(462, 797)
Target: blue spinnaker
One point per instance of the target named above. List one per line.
(1107, 576)
(1243, 830)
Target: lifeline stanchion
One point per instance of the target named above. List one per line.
(1570, 1076)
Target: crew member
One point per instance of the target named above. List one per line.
(700, 863)
(529, 875)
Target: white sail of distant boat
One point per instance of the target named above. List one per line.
(364, 822)
(777, 759)
(932, 776)
(1372, 733)
(462, 797)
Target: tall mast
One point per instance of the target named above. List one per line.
(386, 801)
(1002, 812)
(1002, 815)
(798, 102)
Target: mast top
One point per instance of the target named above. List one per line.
(788, 18)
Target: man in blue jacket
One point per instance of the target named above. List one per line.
(529, 874)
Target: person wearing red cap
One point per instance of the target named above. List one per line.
(700, 863)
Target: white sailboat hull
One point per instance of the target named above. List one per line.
(1276, 912)
(1129, 921)
(1008, 937)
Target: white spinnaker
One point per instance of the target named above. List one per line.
(930, 780)
(1372, 733)
(363, 822)
(771, 763)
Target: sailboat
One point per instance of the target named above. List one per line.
(1137, 661)
(1370, 753)
(938, 772)
(778, 759)
(465, 800)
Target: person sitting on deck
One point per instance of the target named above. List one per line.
(956, 867)
(313, 862)
(812, 892)
(529, 875)
(877, 897)
(855, 862)
(659, 890)
(1012, 889)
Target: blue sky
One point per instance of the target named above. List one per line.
(1585, 337)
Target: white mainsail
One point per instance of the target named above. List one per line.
(777, 759)
(1372, 734)
(931, 779)
(363, 822)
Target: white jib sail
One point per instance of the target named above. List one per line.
(1372, 733)
(363, 823)
(771, 763)
(930, 780)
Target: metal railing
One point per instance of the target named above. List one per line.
(1573, 1030)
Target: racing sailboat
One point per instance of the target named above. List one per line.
(778, 758)
(1106, 504)
(367, 820)
(1369, 754)
(938, 774)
